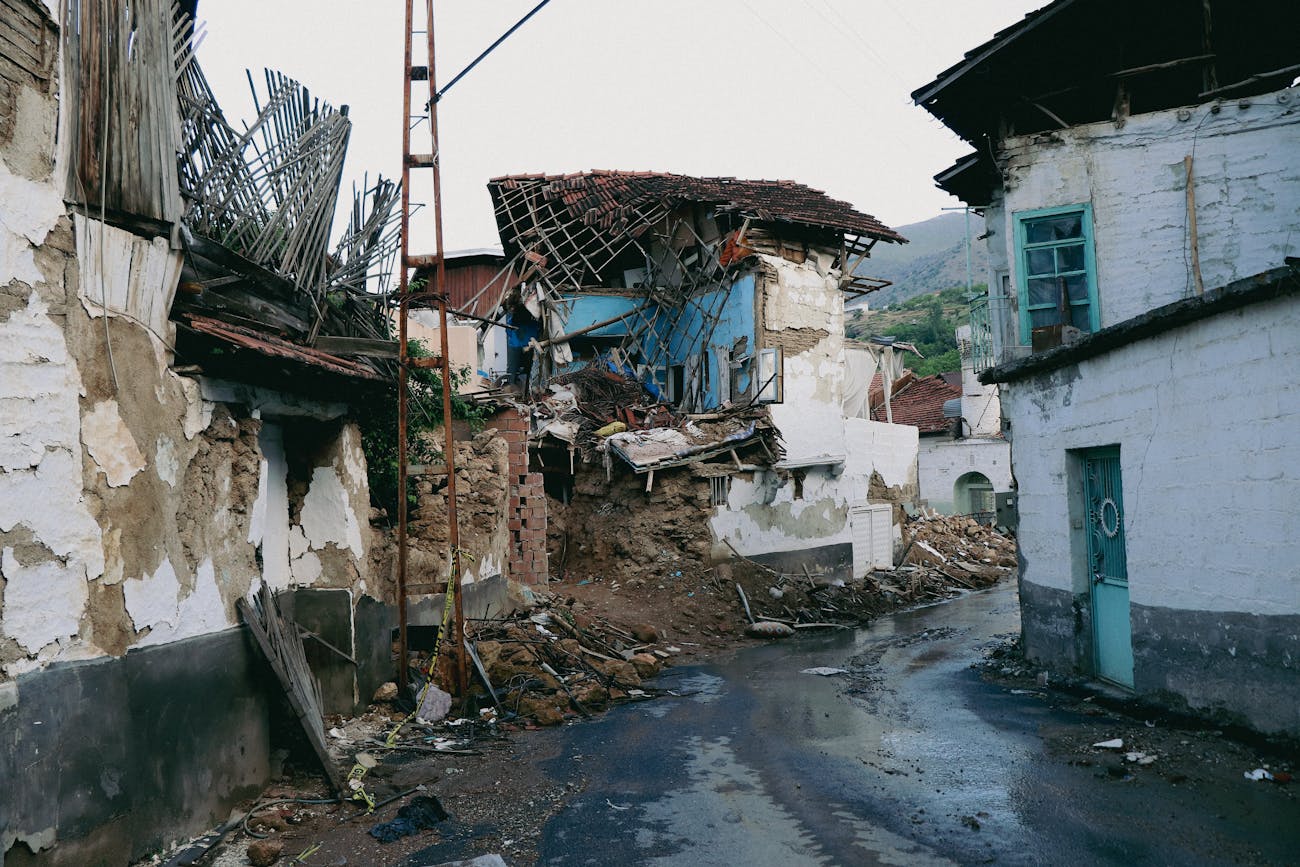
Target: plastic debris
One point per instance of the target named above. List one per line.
(618, 806)
(1115, 744)
(825, 671)
(421, 814)
(1258, 774)
(1140, 758)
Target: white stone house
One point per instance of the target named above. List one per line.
(1143, 324)
(964, 461)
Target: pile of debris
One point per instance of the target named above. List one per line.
(558, 661)
(942, 557)
(601, 404)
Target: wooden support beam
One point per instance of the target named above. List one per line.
(1191, 225)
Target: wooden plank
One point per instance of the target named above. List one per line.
(277, 636)
(357, 346)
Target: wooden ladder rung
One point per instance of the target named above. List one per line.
(419, 73)
(424, 260)
(420, 161)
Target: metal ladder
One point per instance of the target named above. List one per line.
(412, 74)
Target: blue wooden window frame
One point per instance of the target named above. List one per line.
(1024, 248)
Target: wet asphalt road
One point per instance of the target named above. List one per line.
(763, 765)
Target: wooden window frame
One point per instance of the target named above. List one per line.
(1023, 248)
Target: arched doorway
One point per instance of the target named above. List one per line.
(972, 494)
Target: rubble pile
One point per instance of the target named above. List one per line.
(964, 551)
(942, 557)
(558, 661)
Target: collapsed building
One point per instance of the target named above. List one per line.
(677, 351)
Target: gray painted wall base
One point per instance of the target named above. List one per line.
(111, 759)
(834, 560)
(1230, 667)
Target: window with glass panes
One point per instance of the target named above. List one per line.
(1057, 278)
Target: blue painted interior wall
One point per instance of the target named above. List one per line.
(691, 334)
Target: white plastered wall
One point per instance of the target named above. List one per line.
(942, 461)
(1246, 182)
(1206, 418)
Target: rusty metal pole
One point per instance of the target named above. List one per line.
(403, 290)
(460, 673)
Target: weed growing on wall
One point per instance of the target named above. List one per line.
(378, 417)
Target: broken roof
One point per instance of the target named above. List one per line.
(920, 403)
(1067, 62)
(616, 202)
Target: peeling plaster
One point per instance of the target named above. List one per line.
(49, 502)
(202, 612)
(198, 412)
(297, 542)
(110, 444)
(327, 514)
(30, 212)
(306, 569)
(153, 600)
(42, 602)
(166, 464)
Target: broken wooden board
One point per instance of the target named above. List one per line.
(277, 635)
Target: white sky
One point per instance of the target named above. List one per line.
(810, 90)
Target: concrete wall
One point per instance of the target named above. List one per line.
(803, 314)
(1207, 420)
(1247, 185)
(942, 461)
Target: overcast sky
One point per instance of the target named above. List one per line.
(811, 90)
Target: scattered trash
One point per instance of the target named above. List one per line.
(1258, 774)
(1140, 758)
(775, 592)
(1115, 744)
(387, 692)
(824, 671)
(769, 629)
(618, 806)
(421, 814)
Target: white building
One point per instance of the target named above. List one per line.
(1150, 199)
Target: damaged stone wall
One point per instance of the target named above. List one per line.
(133, 516)
(803, 314)
(482, 472)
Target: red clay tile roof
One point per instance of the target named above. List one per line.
(605, 200)
(920, 403)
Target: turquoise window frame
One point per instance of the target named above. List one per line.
(1022, 261)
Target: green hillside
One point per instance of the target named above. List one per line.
(934, 258)
(927, 321)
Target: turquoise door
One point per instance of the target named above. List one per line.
(1107, 566)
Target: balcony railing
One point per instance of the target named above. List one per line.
(981, 335)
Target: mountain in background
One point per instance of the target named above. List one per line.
(934, 259)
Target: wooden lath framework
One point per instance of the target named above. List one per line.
(269, 194)
(670, 237)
